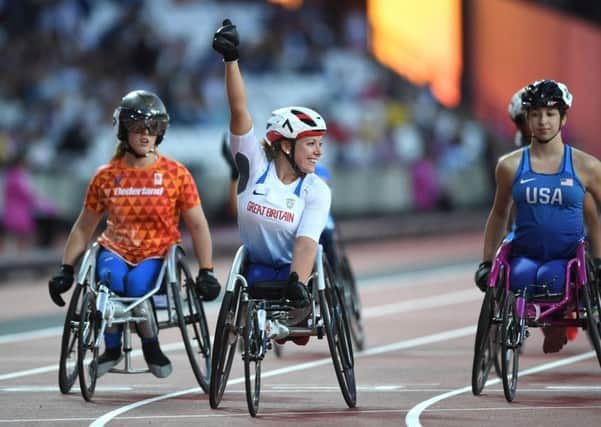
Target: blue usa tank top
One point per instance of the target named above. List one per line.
(549, 217)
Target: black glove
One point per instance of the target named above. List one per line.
(226, 152)
(481, 276)
(296, 292)
(226, 41)
(207, 284)
(60, 283)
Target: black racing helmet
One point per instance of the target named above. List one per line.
(141, 110)
(547, 93)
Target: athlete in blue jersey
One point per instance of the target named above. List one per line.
(547, 182)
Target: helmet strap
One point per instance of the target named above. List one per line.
(290, 157)
(136, 155)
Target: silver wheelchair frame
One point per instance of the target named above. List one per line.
(241, 315)
(94, 307)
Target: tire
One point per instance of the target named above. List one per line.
(68, 367)
(192, 322)
(592, 301)
(484, 345)
(352, 303)
(253, 355)
(87, 351)
(510, 343)
(338, 336)
(224, 345)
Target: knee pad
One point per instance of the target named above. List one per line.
(147, 328)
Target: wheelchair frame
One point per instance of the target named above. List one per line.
(243, 316)
(93, 307)
(505, 317)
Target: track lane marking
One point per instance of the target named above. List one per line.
(412, 418)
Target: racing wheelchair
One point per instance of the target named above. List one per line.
(248, 312)
(505, 317)
(93, 308)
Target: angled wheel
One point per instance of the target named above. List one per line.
(592, 302)
(224, 344)
(510, 343)
(193, 325)
(87, 351)
(253, 355)
(338, 336)
(352, 303)
(67, 370)
(485, 345)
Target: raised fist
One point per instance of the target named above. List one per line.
(226, 41)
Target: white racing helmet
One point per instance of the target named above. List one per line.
(515, 107)
(294, 123)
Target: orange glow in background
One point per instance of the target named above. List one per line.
(421, 41)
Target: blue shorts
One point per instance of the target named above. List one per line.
(124, 279)
(256, 272)
(537, 276)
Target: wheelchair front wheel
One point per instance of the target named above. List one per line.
(68, 371)
(87, 351)
(193, 325)
(224, 344)
(510, 343)
(338, 336)
(253, 355)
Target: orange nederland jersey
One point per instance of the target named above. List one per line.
(143, 206)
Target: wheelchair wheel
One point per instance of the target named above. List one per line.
(253, 355)
(87, 351)
(352, 303)
(592, 301)
(193, 325)
(67, 371)
(485, 344)
(338, 335)
(510, 343)
(224, 344)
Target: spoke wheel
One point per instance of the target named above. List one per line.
(68, 368)
(87, 351)
(352, 303)
(193, 325)
(592, 301)
(485, 345)
(338, 336)
(224, 344)
(510, 332)
(253, 355)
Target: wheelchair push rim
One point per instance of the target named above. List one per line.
(592, 302)
(352, 303)
(485, 343)
(510, 343)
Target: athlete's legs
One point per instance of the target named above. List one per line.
(263, 273)
(552, 275)
(523, 274)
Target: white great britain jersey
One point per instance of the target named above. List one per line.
(271, 214)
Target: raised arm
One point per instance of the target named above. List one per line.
(225, 41)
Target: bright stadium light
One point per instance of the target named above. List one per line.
(421, 40)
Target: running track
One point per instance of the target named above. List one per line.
(420, 309)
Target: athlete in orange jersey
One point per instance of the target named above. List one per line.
(143, 194)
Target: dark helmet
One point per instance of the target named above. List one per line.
(139, 110)
(547, 93)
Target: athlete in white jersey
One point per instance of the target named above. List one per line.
(282, 205)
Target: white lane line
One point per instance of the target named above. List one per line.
(380, 310)
(45, 389)
(412, 418)
(31, 335)
(429, 339)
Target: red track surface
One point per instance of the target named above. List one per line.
(415, 370)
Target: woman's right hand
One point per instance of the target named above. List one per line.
(226, 41)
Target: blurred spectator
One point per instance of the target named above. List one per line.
(21, 204)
